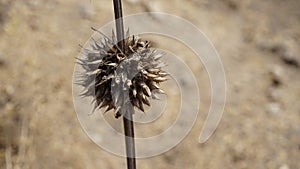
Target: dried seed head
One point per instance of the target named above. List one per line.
(119, 79)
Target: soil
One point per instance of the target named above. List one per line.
(258, 42)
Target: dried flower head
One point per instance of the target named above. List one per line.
(119, 80)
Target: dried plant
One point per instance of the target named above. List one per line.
(119, 79)
(122, 73)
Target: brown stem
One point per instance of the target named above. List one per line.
(119, 23)
(127, 117)
(129, 140)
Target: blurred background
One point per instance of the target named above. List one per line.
(258, 42)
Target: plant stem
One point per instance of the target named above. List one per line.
(119, 23)
(127, 117)
(129, 140)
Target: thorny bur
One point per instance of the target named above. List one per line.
(119, 80)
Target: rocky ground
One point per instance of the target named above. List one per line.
(258, 42)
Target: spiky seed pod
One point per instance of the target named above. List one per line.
(119, 79)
